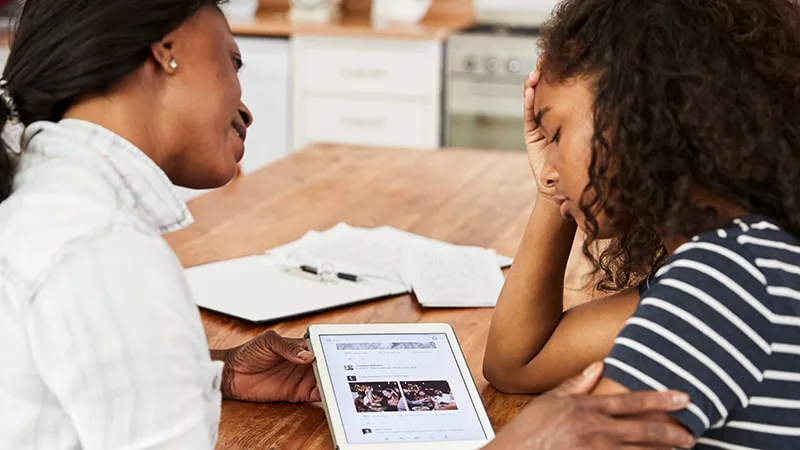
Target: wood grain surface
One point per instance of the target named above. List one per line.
(468, 197)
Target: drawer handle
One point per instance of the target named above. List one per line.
(364, 73)
(362, 122)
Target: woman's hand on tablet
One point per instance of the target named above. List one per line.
(568, 417)
(270, 368)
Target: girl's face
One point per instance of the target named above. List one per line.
(566, 117)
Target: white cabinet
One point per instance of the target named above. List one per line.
(265, 90)
(369, 122)
(266, 86)
(379, 92)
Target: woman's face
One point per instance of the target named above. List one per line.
(205, 117)
(567, 122)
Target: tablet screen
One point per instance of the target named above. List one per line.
(393, 388)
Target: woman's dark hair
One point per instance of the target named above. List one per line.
(692, 97)
(62, 50)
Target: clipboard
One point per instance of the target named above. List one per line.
(260, 288)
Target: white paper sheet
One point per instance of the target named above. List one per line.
(376, 252)
(453, 276)
(347, 249)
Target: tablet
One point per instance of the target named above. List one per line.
(397, 386)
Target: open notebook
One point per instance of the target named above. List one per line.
(388, 262)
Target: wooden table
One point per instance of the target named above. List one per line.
(463, 196)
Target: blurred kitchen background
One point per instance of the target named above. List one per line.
(420, 74)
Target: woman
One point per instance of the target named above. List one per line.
(104, 346)
(671, 129)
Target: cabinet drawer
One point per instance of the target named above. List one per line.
(367, 122)
(341, 65)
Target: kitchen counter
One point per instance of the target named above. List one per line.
(277, 24)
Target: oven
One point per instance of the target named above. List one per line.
(485, 69)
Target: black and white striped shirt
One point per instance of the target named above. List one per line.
(721, 321)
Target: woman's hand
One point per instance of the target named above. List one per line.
(535, 142)
(568, 417)
(270, 368)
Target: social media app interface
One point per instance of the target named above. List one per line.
(394, 388)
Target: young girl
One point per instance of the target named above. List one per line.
(670, 130)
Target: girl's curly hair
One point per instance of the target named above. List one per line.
(690, 95)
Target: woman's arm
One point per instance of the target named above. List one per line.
(532, 345)
(121, 348)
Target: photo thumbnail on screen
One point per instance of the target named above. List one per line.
(378, 397)
(428, 396)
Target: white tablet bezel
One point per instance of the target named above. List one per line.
(329, 401)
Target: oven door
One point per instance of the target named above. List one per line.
(484, 114)
(485, 132)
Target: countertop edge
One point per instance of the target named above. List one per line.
(277, 25)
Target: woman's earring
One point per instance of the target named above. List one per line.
(173, 64)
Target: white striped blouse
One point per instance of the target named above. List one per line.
(103, 347)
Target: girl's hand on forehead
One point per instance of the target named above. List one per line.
(535, 142)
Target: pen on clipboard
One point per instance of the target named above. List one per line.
(340, 275)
